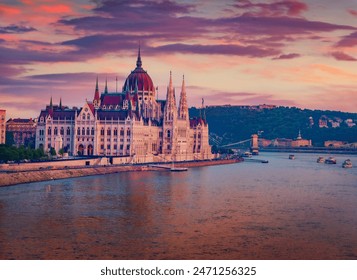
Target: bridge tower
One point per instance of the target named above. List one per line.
(254, 148)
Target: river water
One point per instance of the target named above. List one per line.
(286, 209)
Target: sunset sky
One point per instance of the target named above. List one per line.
(246, 52)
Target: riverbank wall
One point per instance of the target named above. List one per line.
(28, 176)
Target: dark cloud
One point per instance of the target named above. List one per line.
(343, 56)
(291, 8)
(348, 41)
(287, 56)
(251, 51)
(13, 29)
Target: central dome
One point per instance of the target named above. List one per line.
(139, 78)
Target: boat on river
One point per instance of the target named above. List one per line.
(330, 160)
(178, 169)
(291, 157)
(247, 154)
(320, 160)
(347, 163)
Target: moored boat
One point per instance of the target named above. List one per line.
(291, 157)
(178, 169)
(347, 163)
(320, 160)
(330, 160)
(247, 154)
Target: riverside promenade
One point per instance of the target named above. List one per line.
(12, 176)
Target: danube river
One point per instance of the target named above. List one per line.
(286, 209)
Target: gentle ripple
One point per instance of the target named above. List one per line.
(287, 209)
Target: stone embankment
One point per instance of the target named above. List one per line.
(14, 178)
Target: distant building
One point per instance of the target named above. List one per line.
(311, 121)
(290, 143)
(334, 144)
(350, 123)
(264, 142)
(2, 126)
(299, 142)
(23, 131)
(323, 122)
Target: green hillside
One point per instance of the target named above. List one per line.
(232, 124)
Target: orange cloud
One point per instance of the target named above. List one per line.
(56, 9)
(9, 11)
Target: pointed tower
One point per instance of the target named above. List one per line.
(60, 103)
(96, 100)
(170, 110)
(106, 86)
(138, 60)
(51, 105)
(170, 119)
(183, 108)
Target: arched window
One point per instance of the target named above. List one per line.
(78, 131)
(115, 132)
(92, 132)
(49, 132)
(128, 132)
(83, 131)
(168, 133)
(109, 132)
(68, 131)
(87, 130)
(62, 131)
(102, 131)
(88, 116)
(121, 132)
(84, 116)
(56, 131)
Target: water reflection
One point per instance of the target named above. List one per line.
(284, 210)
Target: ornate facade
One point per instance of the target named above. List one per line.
(23, 131)
(2, 126)
(131, 124)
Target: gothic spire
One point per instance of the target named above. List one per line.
(51, 105)
(60, 104)
(96, 100)
(170, 110)
(183, 108)
(106, 86)
(138, 61)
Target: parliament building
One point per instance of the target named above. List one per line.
(131, 126)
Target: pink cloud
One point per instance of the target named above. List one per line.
(287, 56)
(353, 12)
(56, 9)
(348, 41)
(343, 56)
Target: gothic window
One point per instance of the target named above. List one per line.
(68, 131)
(83, 131)
(56, 131)
(62, 131)
(88, 116)
(128, 132)
(109, 132)
(121, 147)
(41, 120)
(102, 132)
(168, 134)
(49, 131)
(125, 104)
(87, 130)
(108, 146)
(92, 132)
(84, 116)
(115, 132)
(78, 131)
(121, 132)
